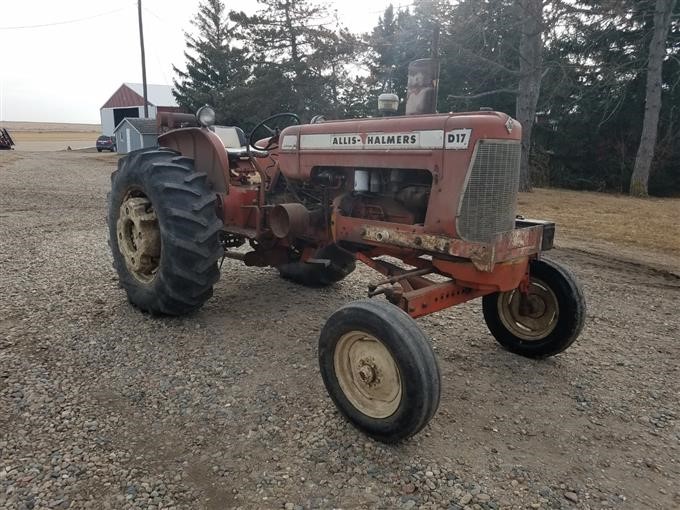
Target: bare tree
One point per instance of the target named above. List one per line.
(657, 51)
(530, 75)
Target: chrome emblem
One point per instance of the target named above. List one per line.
(510, 125)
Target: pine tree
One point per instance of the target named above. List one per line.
(393, 44)
(216, 70)
(305, 60)
(594, 97)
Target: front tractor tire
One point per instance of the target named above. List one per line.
(545, 321)
(379, 369)
(340, 265)
(163, 232)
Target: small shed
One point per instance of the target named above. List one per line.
(133, 133)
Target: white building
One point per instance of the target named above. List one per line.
(128, 102)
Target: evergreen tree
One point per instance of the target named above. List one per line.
(594, 98)
(305, 60)
(591, 101)
(393, 44)
(480, 57)
(591, 70)
(216, 70)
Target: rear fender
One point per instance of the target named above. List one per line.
(207, 151)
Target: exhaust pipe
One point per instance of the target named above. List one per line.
(289, 220)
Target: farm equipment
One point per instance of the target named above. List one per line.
(428, 201)
(6, 142)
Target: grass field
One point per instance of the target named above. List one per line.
(55, 136)
(16, 126)
(645, 224)
(51, 136)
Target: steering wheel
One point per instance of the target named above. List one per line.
(271, 127)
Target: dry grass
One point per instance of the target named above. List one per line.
(647, 224)
(55, 136)
(51, 136)
(15, 126)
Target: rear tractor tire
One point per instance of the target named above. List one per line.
(163, 232)
(542, 323)
(379, 369)
(318, 275)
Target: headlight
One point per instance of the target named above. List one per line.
(206, 116)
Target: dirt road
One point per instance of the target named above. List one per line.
(104, 407)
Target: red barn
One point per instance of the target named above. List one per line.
(128, 102)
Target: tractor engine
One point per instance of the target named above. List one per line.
(382, 194)
(455, 175)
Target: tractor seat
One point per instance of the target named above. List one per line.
(234, 140)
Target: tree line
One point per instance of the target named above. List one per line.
(595, 83)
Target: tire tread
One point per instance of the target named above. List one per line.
(190, 234)
(571, 318)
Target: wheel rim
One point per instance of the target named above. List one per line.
(532, 316)
(139, 237)
(367, 374)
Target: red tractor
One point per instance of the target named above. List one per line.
(428, 201)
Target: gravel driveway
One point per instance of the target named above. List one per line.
(102, 406)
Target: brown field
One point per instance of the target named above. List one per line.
(15, 126)
(632, 228)
(54, 136)
(51, 136)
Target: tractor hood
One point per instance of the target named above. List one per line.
(414, 132)
(428, 142)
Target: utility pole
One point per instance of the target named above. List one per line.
(141, 44)
(434, 49)
(434, 54)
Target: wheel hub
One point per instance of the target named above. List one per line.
(139, 237)
(532, 305)
(367, 374)
(531, 316)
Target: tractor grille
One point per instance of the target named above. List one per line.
(488, 205)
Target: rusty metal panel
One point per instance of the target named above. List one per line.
(506, 246)
(517, 243)
(437, 296)
(239, 208)
(207, 151)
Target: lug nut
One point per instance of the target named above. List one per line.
(367, 374)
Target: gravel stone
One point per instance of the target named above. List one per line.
(106, 407)
(571, 496)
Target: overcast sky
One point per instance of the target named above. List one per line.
(64, 72)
